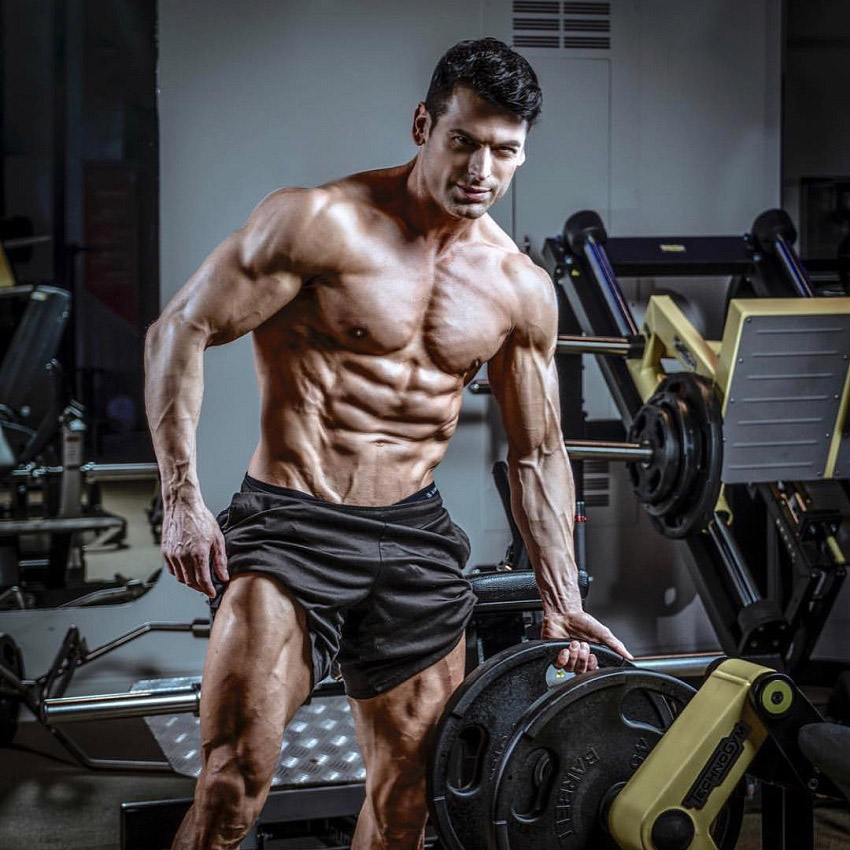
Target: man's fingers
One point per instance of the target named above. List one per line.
(202, 579)
(616, 644)
(175, 568)
(219, 557)
(576, 657)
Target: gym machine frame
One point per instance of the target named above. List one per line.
(769, 617)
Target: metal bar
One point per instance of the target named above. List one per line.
(25, 242)
(187, 700)
(115, 706)
(796, 274)
(596, 450)
(95, 471)
(615, 346)
(122, 471)
(137, 633)
(738, 571)
(57, 525)
(681, 666)
(123, 765)
(611, 291)
(12, 680)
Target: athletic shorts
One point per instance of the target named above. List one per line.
(382, 587)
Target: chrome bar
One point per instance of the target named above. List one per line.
(187, 700)
(596, 450)
(681, 666)
(94, 471)
(58, 525)
(733, 559)
(114, 706)
(796, 274)
(604, 274)
(613, 345)
(122, 471)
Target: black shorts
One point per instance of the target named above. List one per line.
(382, 587)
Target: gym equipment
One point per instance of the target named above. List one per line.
(44, 696)
(748, 458)
(53, 508)
(572, 751)
(629, 758)
(477, 721)
(742, 709)
(682, 424)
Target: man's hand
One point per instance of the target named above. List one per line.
(583, 629)
(190, 539)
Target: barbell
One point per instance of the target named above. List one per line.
(674, 453)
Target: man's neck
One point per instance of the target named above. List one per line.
(427, 218)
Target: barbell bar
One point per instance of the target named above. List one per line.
(187, 700)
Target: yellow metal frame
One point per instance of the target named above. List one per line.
(669, 334)
(719, 717)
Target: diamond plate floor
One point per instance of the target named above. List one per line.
(319, 746)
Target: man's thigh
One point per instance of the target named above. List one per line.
(258, 671)
(393, 731)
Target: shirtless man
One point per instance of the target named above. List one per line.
(372, 300)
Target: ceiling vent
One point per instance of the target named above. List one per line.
(559, 25)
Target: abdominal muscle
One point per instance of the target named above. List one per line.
(353, 428)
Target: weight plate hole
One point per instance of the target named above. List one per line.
(465, 759)
(539, 769)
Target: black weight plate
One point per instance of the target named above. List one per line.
(475, 725)
(680, 496)
(10, 703)
(570, 749)
(705, 423)
(653, 426)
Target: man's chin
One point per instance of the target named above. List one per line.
(468, 210)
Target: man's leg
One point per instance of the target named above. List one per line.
(393, 730)
(257, 673)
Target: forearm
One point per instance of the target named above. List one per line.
(543, 504)
(174, 386)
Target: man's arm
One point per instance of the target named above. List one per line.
(245, 281)
(525, 383)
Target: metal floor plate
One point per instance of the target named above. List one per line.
(319, 746)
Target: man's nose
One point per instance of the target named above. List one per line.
(481, 164)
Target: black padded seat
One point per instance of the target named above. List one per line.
(515, 589)
(827, 746)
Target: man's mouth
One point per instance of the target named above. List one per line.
(473, 193)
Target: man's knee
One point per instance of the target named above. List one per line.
(398, 805)
(230, 795)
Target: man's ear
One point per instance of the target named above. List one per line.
(421, 125)
(521, 157)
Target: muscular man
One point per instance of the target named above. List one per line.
(372, 300)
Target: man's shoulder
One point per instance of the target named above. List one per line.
(532, 284)
(311, 221)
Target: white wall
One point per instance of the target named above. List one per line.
(674, 130)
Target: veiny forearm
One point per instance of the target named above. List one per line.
(543, 503)
(174, 386)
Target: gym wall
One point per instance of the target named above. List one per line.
(673, 129)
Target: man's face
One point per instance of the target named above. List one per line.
(470, 155)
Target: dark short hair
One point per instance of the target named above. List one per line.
(493, 71)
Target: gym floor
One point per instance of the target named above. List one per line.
(49, 802)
